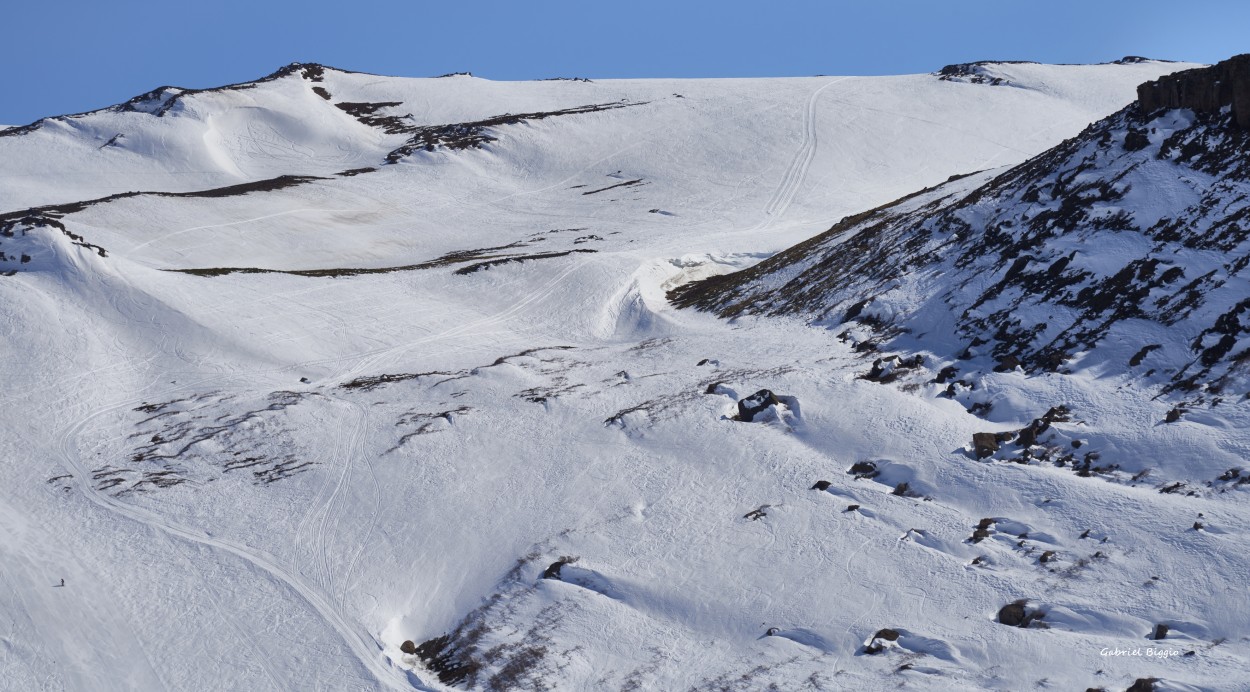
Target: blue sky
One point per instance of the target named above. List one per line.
(73, 56)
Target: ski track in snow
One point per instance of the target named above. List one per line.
(361, 646)
(796, 173)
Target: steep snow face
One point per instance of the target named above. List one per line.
(419, 416)
(1122, 249)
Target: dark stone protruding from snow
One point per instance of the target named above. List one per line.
(886, 634)
(1161, 632)
(851, 508)
(875, 646)
(820, 485)
(1143, 685)
(1174, 415)
(553, 570)
(985, 444)
(756, 514)
(1135, 139)
(982, 530)
(1047, 556)
(863, 469)
(1013, 614)
(408, 647)
(756, 403)
(1007, 364)
(901, 489)
(771, 632)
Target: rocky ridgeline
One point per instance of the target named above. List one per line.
(1206, 90)
(1127, 246)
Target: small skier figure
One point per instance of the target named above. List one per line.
(62, 581)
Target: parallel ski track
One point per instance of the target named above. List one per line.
(361, 645)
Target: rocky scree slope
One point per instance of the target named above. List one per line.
(1124, 247)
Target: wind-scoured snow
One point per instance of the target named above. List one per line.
(304, 369)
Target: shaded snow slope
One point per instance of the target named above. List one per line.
(277, 407)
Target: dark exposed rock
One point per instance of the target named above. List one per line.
(1206, 89)
(820, 485)
(408, 647)
(982, 530)
(1012, 614)
(886, 634)
(553, 570)
(441, 656)
(1007, 364)
(888, 368)
(1135, 139)
(1174, 415)
(1143, 685)
(1057, 414)
(476, 134)
(1161, 632)
(863, 469)
(755, 404)
(1029, 435)
(875, 646)
(985, 444)
(1047, 556)
(972, 73)
(1141, 355)
(756, 514)
(902, 489)
(851, 508)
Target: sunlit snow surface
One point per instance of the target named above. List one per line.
(221, 523)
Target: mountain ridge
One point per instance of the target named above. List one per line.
(1077, 197)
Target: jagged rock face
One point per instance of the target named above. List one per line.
(1134, 235)
(1207, 90)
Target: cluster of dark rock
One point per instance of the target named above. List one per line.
(987, 444)
(1209, 89)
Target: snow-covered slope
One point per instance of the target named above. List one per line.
(305, 369)
(1121, 250)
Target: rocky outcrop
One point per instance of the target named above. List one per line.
(985, 444)
(756, 403)
(1206, 90)
(992, 261)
